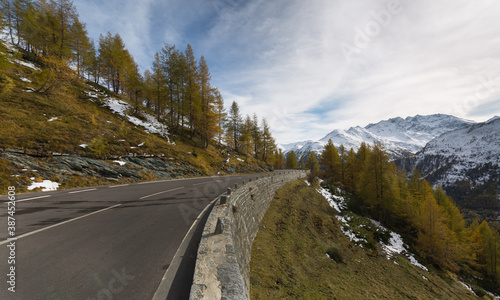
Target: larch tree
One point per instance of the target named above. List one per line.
(312, 164)
(220, 115)
(256, 136)
(80, 43)
(207, 116)
(268, 143)
(280, 160)
(158, 81)
(233, 126)
(330, 163)
(291, 160)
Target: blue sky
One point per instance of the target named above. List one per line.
(313, 66)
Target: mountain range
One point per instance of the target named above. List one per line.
(446, 149)
(400, 137)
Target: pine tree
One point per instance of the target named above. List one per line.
(207, 115)
(7, 12)
(343, 160)
(291, 161)
(246, 135)
(377, 182)
(220, 115)
(256, 136)
(268, 143)
(158, 81)
(81, 44)
(330, 163)
(280, 160)
(192, 88)
(351, 173)
(233, 126)
(312, 164)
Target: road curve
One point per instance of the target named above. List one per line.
(108, 242)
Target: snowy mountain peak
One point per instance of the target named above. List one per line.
(455, 154)
(401, 137)
(493, 119)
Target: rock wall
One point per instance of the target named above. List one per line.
(224, 253)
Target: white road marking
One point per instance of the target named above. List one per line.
(160, 193)
(82, 191)
(115, 186)
(22, 200)
(206, 182)
(59, 224)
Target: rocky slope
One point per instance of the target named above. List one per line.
(471, 153)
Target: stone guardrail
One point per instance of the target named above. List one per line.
(224, 253)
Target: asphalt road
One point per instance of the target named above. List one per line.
(110, 242)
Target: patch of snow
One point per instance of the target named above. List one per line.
(493, 295)
(415, 262)
(141, 144)
(91, 94)
(337, 202)
(151, 124)
(29, 90)
(47, 185)
(468, 287)
(307, 182)
(349, 233)
(425, 278)
(240, 159)
(26, 64)
(83, 146)
(24, 79)
(329, 257)
(397, 246)
(53, 119)
(121, 163)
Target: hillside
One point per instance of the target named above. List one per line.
(83, 134)
(401, 137)
(466, 162)
(454, 155)
(305, 249)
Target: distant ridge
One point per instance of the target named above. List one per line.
(401, 137)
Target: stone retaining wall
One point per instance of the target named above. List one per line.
(224, 253)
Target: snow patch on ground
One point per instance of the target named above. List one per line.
(337, 202)
(151, 125)
(53, 119)
(465, 285)
(47, 185)
(24, 79)
(83, 146)
(121, 163)
(396, 246)
(26, 64)
(493, 295)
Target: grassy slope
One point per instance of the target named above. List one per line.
(289, 258)
(24, 124)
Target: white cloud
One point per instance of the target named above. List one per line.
(425, 58)
(284, 59)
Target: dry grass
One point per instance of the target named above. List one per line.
(289, 258)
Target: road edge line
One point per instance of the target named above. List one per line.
(165, 285)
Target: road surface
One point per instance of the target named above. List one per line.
(109, 242)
